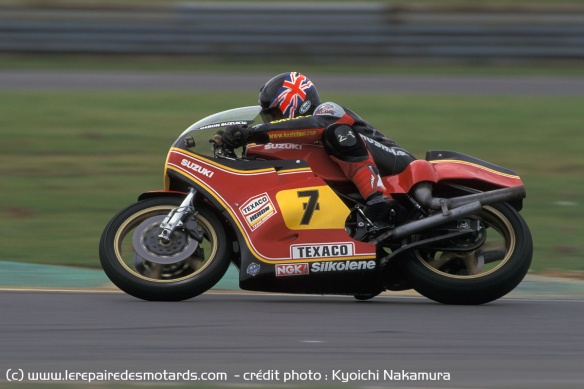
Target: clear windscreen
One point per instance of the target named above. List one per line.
(205, 129)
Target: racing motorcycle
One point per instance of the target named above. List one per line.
(291, 222)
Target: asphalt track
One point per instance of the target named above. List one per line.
(505, 344)
(203, 81)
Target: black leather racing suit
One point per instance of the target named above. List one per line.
(362, 152)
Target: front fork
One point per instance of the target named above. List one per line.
(177, 216)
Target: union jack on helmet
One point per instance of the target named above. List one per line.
(288, 95)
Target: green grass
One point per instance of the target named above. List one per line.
(554, 3)
(70, 160)
(78, 62)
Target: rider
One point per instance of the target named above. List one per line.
(293, 113)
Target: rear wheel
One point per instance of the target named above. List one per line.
(144, 266)
(477, 270)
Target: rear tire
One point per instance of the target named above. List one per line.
(465, 277)
(177, 280)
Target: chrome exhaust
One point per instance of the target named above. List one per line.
(452, 209)
(429, 222)
(423, 194)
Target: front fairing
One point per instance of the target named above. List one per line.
(204, 130)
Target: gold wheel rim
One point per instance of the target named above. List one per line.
(492, 218)
(128, 226)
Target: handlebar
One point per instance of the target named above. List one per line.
(220, 149)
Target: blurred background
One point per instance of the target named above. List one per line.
(92, 94)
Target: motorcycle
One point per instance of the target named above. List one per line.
(291, 222)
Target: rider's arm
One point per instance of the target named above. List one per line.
(304, 129)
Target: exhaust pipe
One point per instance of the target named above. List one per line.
(452, 209)
(423, 194)
(429, 222)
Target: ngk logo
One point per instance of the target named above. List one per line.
(295, 269)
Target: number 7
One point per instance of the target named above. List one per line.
(309, 207)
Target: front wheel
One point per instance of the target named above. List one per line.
(478, 270)
(146, 267)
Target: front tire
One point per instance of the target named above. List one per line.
(481, 274)
(186, 268)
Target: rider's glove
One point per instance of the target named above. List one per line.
(235, 136)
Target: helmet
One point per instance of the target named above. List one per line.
(288, 95)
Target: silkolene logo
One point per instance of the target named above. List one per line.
(297, 269)
(317, 267)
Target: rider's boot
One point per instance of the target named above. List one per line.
(381, 211)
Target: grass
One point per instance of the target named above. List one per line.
(62, 62)
(70, 160)
(471, 3)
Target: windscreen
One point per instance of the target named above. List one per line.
(204, 129)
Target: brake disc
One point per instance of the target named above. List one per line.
(150, 247)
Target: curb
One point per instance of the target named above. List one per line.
(18, 276)
(27, 275)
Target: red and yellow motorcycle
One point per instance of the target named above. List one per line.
(291, 222)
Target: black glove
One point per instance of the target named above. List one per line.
(235, 136)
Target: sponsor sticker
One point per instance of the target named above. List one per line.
(325, 109)
(323, 250)
(224, 124)
(318, 267)
(253, 269)
(257, 210)
(329, 109)
(305, 107)
(291, 269)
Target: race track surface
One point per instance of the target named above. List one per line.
(203, 81)
(505, 344)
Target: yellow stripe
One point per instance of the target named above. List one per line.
(295, 170)
(475, 165)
